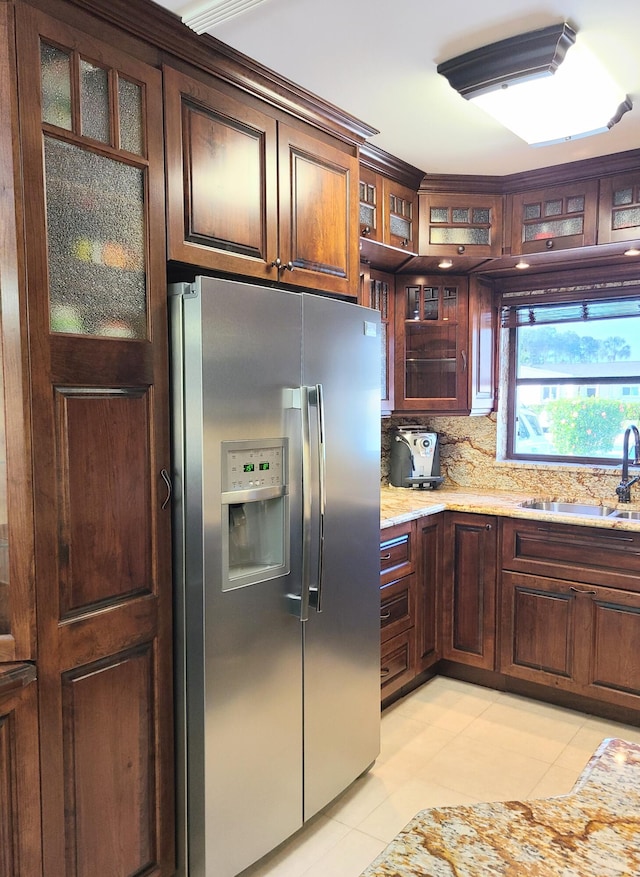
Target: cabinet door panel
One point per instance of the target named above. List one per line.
(615, 646)
(108, 708)
(431, 344)
(538, 628)
(226, 210)
(221, 179)
(318, 186)
(20, 839)
(428, 590)
(469, 589)
(101, 437)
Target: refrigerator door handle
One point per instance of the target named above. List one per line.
(317, 398)
(307, 503)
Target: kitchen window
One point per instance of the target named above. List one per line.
(574, 377)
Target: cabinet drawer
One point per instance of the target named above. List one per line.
(397, 606)
(593, 555)
(396, 663)
(397, 552)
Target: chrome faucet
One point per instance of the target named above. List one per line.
(624, 488)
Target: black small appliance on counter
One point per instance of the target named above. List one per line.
(415, 458)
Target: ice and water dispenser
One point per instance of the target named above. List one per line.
(255, 511)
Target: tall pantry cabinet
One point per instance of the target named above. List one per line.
(84, 304)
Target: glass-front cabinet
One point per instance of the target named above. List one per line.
(95, 262)
(431, 343)
(468, 226)
(381, 297)
(619, 217)
(558, 217)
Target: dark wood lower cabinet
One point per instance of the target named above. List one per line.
(469, 589)
(562, 619)
(572, 636)
(398, 565)
(20, 829)
(430, 537)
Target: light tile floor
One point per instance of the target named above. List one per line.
(446, 743)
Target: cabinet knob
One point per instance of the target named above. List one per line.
(282, 266)
(549, 243)
(405, 242)
(488, 526)
(365, 230)
(461, 250)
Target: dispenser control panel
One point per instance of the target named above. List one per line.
(250, 465)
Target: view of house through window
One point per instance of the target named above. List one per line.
(575, 370)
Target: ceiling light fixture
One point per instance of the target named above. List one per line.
(545, 86)
(206, 15)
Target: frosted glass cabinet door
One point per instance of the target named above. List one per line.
(95, 203)
(95, 224)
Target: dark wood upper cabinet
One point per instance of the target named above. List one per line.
(252, 194)
(554, 218)
(93, 170)
(379, 292)
(619, 208)
(465, 228)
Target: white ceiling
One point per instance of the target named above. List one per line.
(377, 60)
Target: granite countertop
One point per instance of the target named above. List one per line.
(594, 831)
(400, 504)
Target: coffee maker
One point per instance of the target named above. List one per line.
(415, 458)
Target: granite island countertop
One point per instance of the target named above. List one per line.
(399, 504)
(594, 831)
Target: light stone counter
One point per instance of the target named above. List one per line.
(399, 504)
(592, 832)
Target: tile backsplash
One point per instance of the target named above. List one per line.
(468, 459)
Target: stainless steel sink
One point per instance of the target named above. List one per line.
(570, 508)
(627, 515)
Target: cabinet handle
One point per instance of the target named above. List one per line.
(405, 242)
(385, 616)
(385, 556)
(384, 671)
(167, 481)
(463, 354)
(583, 591)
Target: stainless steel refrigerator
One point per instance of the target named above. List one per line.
(276, 406)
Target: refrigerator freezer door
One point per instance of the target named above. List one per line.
(341, 352)
(242, 687)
